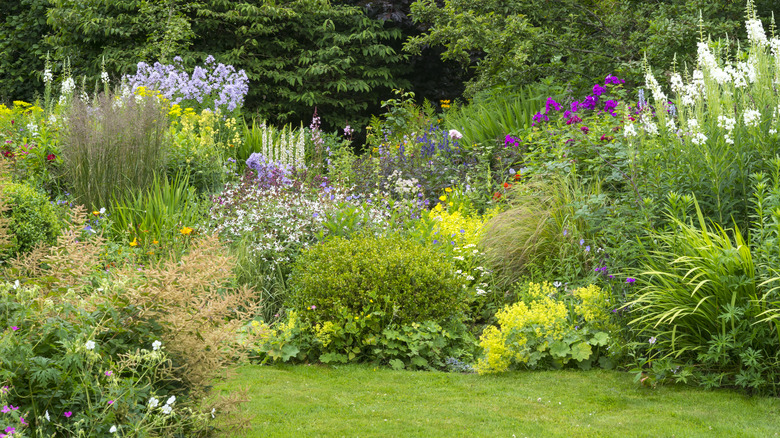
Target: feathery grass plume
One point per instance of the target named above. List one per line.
(200, 313)
(113, 147)
(534, 227)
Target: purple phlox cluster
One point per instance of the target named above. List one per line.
(511, 141)
(613, 80)
(598, 90)
(218, 82)
(590, 102)
(609, 106)
(539, 117)
(573, 120)
(551, 103)
(269, 173)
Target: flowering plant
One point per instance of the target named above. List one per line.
(215, 85)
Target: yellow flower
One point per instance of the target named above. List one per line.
(443, 198)
(134, 242)
(186, 230)
(448, 190)
(155, 242)
(96, 213)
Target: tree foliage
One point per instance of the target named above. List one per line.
(22, 49)
(578, 41)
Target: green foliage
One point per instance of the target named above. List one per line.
(22, 48)
(490, 116)
(301, 54)
(401, 278)
(33, 220)
(68, 367)
(549, 329)
(158, 217)
(427, 345)
(114, 148)
(521, 41)
(495, 28)
(197, 144)
(702, 302)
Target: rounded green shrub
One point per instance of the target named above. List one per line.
(400, 279)
(32, 218)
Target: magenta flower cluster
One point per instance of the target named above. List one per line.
(215, 82)
(591, 102)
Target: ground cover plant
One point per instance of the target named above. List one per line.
(155, 233)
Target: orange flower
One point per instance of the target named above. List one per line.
(496, 196)
(506, 185)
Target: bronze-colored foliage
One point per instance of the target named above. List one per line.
(201, 314)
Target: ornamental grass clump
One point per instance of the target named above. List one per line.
(701, 301)
(113, 146)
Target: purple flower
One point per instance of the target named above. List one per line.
(587, 248)
(573, 120)
(575, 106)
(551, 104)
(630, 280)
(598, 90)
(582, 241)
(609, 106)
(590, 102)
(613, 80)
(68, 414)
(539, 117)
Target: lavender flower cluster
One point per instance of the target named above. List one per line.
(215, 82)
(269, 173)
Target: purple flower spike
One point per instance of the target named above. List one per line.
(630, 280)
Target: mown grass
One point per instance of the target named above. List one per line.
(359, 401)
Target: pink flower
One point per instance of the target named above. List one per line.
(68, 414)
(455, 135)
(21, 419)
(109, 373)
(111, 402)
(14, 328)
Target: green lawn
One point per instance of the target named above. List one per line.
(358, 401)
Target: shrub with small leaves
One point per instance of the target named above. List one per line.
(402, 278)
(33, 219)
